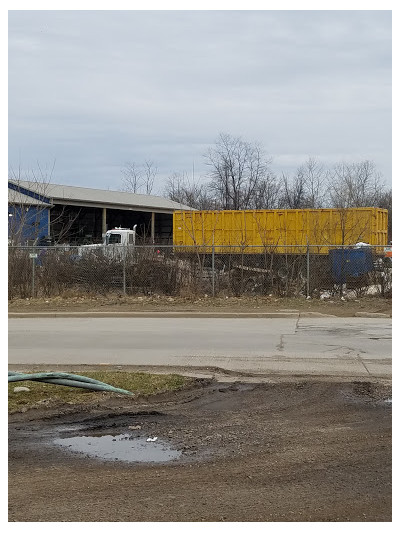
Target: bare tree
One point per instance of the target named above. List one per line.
(139, 178)
(294, 195)
(132, 178)
(305, 190)
(355, 185)
(188, 192)
(266, 193)
(149, 174)
(237, 169)
(29, 214)
(316, 180)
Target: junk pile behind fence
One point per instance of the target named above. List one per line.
(306, 271)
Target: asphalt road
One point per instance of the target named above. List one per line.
(261, 346)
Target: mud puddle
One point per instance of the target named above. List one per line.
(124, 447)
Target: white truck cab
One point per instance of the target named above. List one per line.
(116, 242)
(121, 236)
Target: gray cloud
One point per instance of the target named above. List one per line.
(95, 89)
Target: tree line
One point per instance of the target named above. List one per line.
(240, 176)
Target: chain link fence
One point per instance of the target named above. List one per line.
(312, 271)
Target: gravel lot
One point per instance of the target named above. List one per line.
(284, 450)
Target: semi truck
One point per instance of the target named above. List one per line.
(116, 242)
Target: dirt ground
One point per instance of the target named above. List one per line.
(300, 450)
(334, 306)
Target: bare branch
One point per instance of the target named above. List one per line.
(238, 169)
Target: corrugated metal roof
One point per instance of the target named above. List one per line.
(16, 197)
(99, 196)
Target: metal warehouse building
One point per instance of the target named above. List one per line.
(79, 215)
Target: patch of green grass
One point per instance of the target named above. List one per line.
(49, 395)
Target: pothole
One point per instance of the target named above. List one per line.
(122, 447)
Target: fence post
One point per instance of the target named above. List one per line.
(308, 269)
(124, 252)
(33, 255)
(33, 275)
(213, 269)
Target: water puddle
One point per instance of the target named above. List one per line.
(123, 447)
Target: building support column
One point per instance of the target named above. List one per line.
(104, 221)
(153, 226)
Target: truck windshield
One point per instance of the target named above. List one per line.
(114, 238)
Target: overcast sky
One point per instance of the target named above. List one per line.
(93, 90)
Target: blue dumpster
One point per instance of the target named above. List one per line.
(352, 263)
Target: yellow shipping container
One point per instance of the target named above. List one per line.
(280, 230)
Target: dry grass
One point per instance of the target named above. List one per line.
(48, 395)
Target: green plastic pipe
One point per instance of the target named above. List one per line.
(67, 380)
